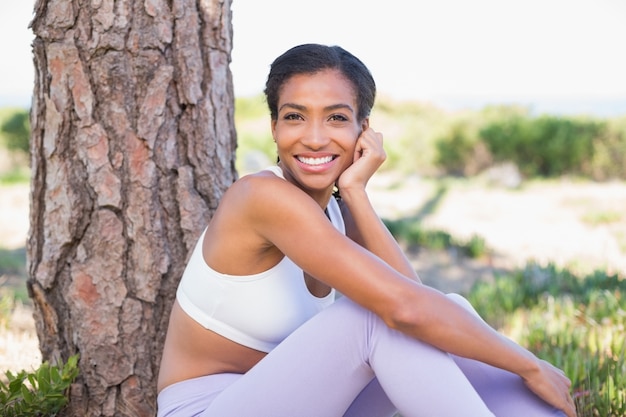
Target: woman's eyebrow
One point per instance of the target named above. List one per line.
(339, 107)
(293, 106)
(300, 107)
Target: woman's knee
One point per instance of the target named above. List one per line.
(463, 302)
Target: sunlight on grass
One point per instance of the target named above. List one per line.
(16, 176)
(575, 322)
(602, 217)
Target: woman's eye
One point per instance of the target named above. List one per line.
(292, 116)
(338, 118)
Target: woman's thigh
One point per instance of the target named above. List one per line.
(317, 371)
(193, 396)
(327, 363)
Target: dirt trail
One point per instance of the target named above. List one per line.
(580, 225)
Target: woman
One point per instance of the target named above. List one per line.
(255, 331)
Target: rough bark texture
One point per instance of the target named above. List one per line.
(132, 147)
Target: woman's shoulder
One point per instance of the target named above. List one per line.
(257, 183)
(253, 192)
(264, 194)
(263, 184)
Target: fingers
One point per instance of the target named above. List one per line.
(569, 407)
(553, 386)
(370, 143)
(368, 157)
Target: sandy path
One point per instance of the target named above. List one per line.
(13, 216)
(582, 225)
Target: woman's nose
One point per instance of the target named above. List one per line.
(316, 137)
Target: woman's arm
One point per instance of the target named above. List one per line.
(365, 227)
(295, 224)
(362, 222)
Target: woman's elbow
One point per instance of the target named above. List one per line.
(406, 315)
(415, 312)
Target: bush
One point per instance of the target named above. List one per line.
(16, 131)
(455, 149)
(609, 152)
(410, 232)
(544, 146)
(547, 146)
(39, 393)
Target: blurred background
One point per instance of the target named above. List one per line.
(505, 128)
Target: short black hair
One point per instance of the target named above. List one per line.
(311, 58)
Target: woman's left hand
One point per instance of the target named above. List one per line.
(369, 155)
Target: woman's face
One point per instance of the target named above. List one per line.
(316, 130)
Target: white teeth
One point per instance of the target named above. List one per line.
(315, 161)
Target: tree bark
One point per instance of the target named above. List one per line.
(132, 147)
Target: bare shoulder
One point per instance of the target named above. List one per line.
(263, 191)
(235, 243)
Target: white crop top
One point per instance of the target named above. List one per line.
(257, 311)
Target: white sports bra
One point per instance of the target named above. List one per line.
(257, 311)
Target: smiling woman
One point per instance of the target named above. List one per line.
(256, 330)
(315, 130)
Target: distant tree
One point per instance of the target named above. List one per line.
(16, 131)
(133, 145)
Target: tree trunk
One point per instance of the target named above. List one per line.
(132, 147)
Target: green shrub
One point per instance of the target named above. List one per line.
(455, 149)
(6, 307)
(16, 131)
(13, 261)
(524, 288)
(609, 152)
(410, 232)
(547, 146)
(17, 175)
(475, 247)
(39, 393)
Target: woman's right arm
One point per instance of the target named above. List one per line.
(296, 225)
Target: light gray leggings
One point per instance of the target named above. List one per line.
(346, 362)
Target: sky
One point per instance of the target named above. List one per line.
(567, 53)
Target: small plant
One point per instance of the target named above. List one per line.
(39, 393)
(410, 232)
(6, 306)
(475, 247)
(15, 130)
(602, 217)
(17, 175)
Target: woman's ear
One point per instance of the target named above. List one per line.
(273, 127)
(365, 124)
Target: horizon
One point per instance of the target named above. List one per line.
(602, 107)
(559, 57)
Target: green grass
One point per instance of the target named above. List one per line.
(18, 175)
(602, 217)
(575, 322)
(12, 261)
(12, 281)
(411, 234)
